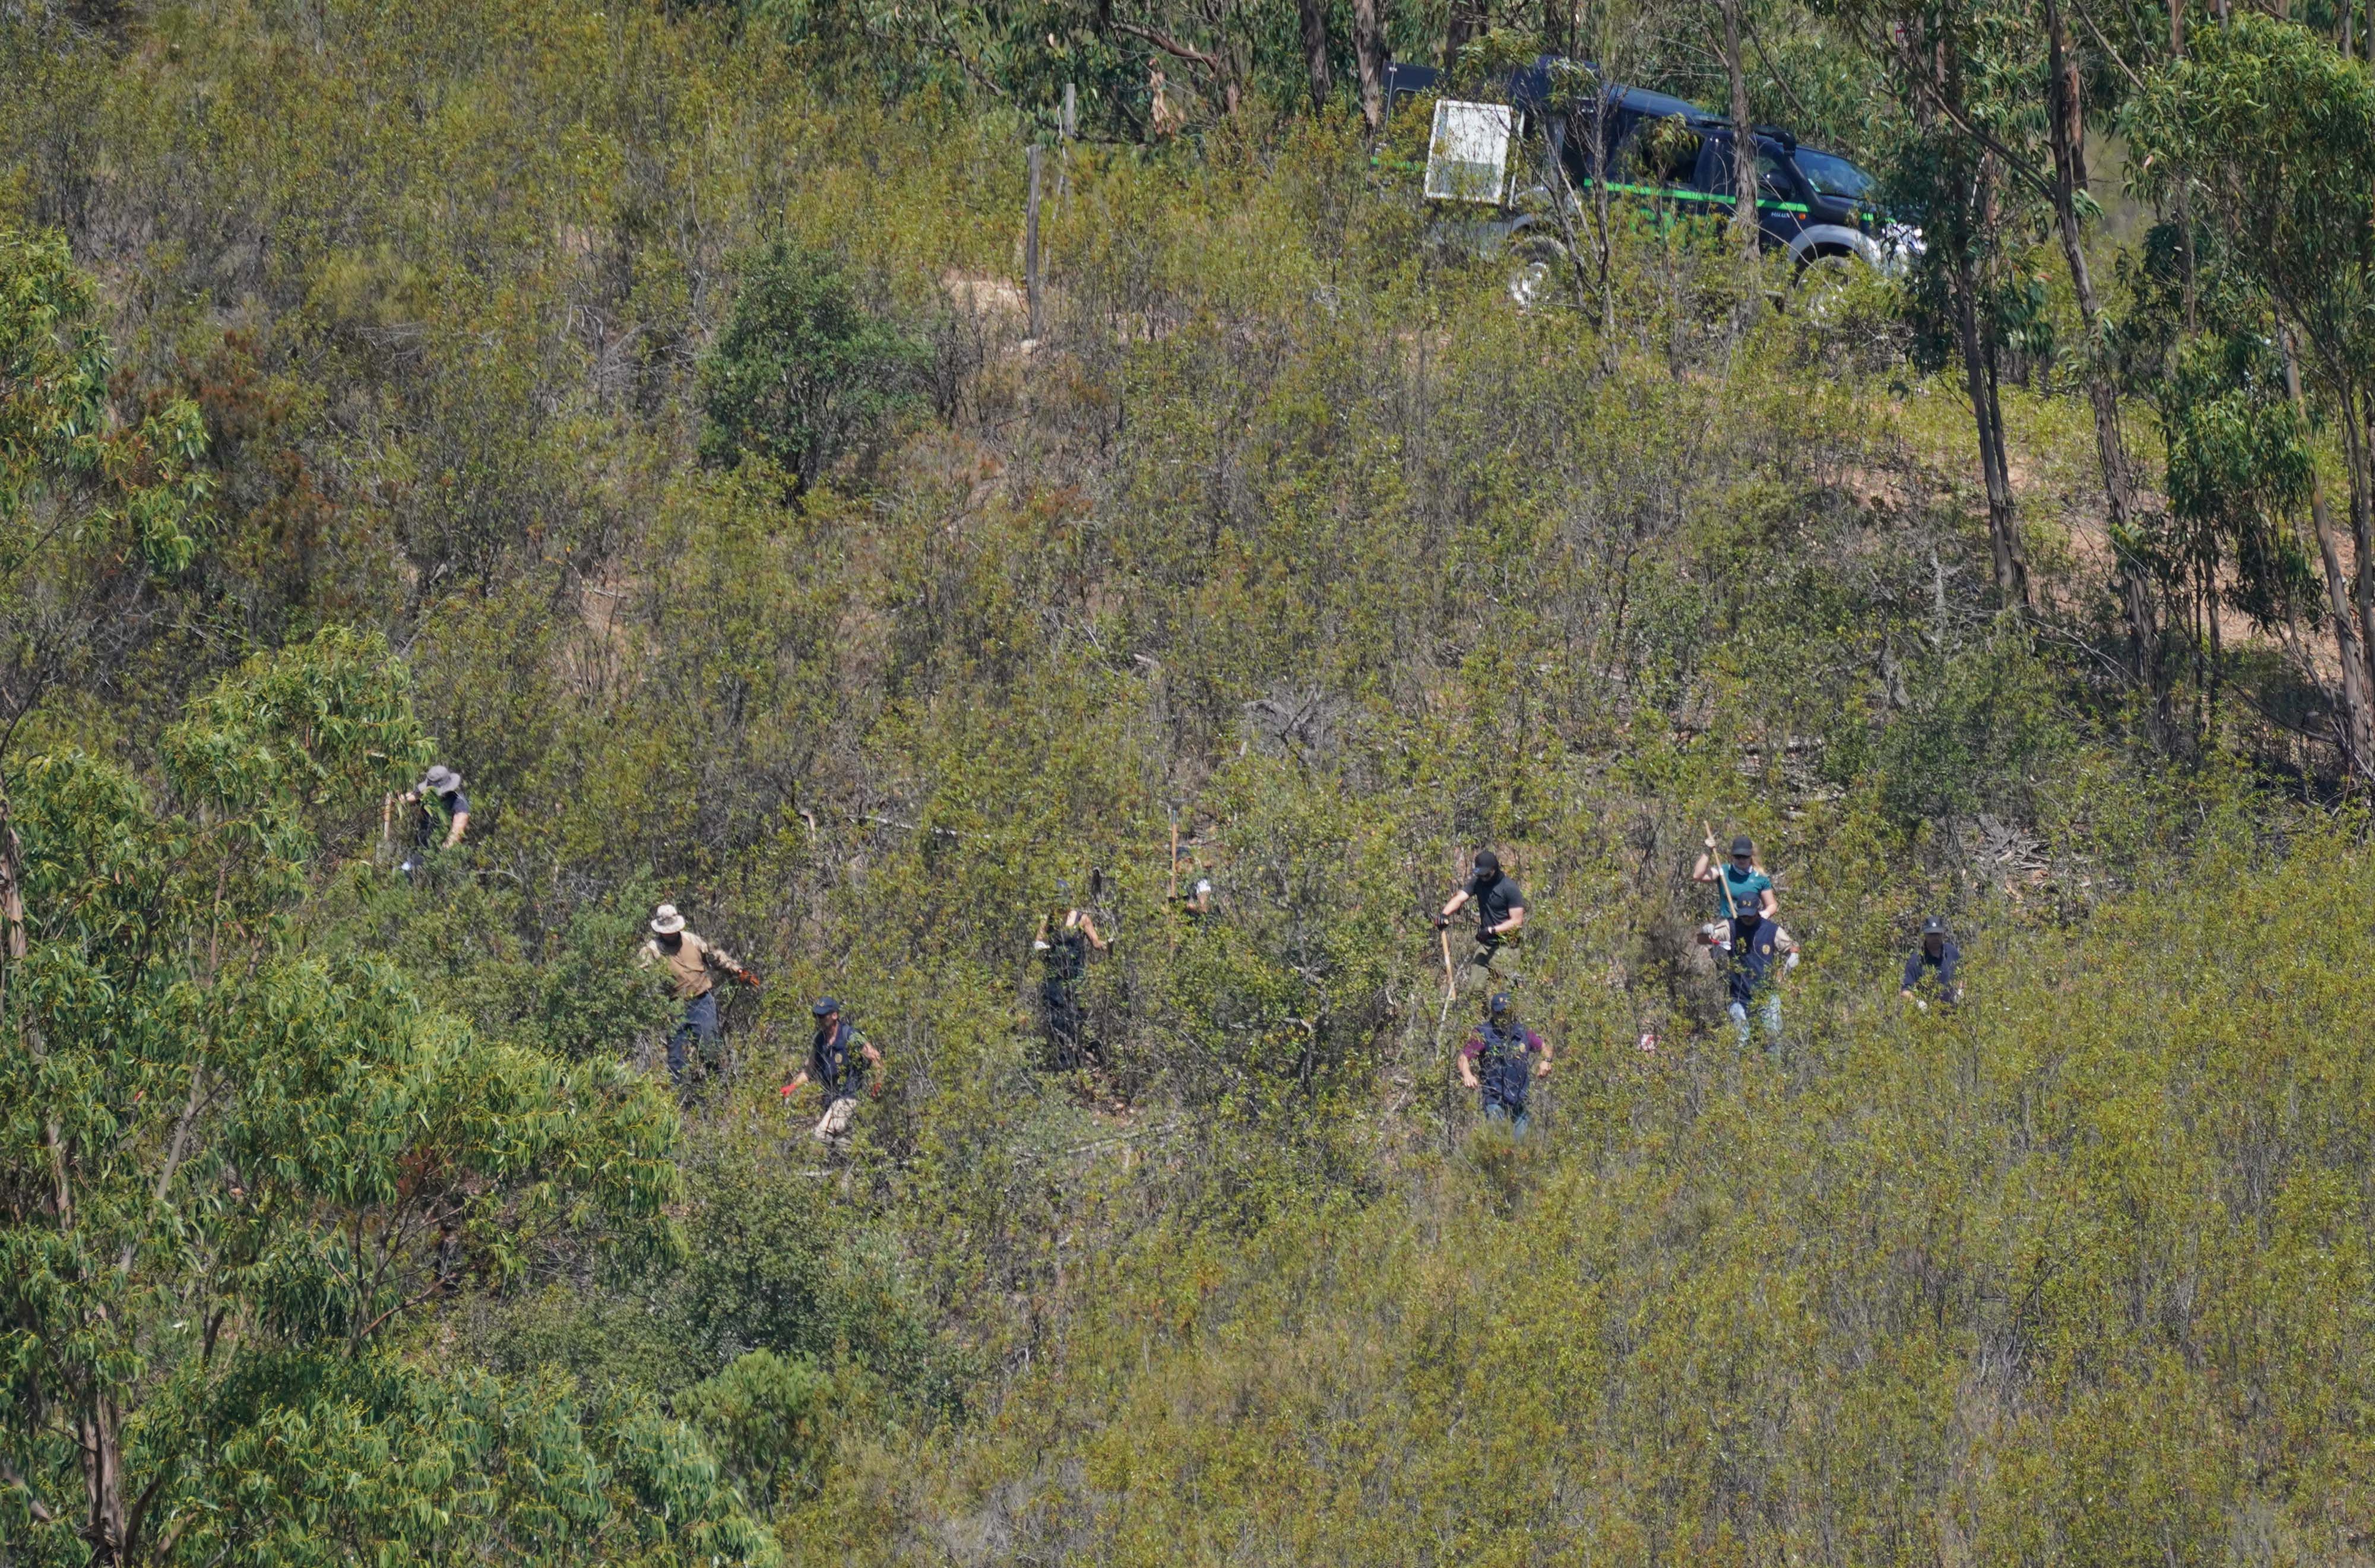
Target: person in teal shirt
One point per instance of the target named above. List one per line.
(1745, 895)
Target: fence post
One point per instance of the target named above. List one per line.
(1031, 279)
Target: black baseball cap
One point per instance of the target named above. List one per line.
(1487, 863)
(1498, 1005)
(1934, 926)
(1744, 844)
(822, 1006)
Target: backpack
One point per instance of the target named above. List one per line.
(1502, 1063)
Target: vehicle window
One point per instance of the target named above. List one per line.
(1576, 153)
(1665, 152)
(1834, 176)
(1773, 181)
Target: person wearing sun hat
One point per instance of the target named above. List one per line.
(694, 967)
(443, 805)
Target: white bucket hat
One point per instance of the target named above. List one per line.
(665, 921)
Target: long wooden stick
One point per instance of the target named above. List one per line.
(1729, 907)
(1450, 985)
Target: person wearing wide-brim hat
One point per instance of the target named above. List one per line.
(1935, 954)
(442, 805)
(694, 967)
(838, 1058)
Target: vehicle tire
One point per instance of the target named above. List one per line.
(1538, 266)
(1821, 282)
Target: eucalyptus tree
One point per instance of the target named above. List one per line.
(1964, 178)
(93, 507)
(2277, 134)
(233, 1172)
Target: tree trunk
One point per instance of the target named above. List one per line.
(1744, 140)
(101, 1437)
(2066, 127)
(1315, 52)
(2362, 536)
(1558, 28)
(2360, 723)
(2184, 202)
(1467, 19)
(1987, 416)
(12, 892)
(1369, 59)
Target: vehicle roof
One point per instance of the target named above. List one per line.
(1530, 89)
(1658, 105)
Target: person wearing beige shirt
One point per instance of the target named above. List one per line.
(694, 967)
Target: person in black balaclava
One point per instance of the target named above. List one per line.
(1500, 913)
(1064, 940)
(1500, 1061)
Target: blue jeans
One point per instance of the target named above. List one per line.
(700, 1024)
(1771, 1009)
(1517, 1119)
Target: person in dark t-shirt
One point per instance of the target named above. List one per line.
(1500, 915)
(838, 1057)
(1063, 942)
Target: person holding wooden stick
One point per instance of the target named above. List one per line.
(1500, 913)
(1743, 885)
(1752, 927)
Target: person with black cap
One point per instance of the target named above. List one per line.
(1500, 1061)
(1500, 915)
(442, 806)
(1938, 953)
(838, 1058)
(1745, 893)
(693, 966)
(1064, 939)
(1753, 980)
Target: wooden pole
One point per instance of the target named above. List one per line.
(1717, 868)
(1031, 245)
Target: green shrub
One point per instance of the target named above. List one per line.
(765, 1417)
(802, 370)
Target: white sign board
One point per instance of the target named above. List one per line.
(1468, 159)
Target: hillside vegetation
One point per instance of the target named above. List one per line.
(640, 410)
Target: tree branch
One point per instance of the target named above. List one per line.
(1170, 45)
(39, 1510)
(172, 1162)
(1911, 68)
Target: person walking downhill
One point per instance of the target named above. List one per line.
(1752, 936)
(693, 966)
(838, 1059)
(1743, 891)
(1064, 940)
(1500, 915)
(1500, 1061)
(1938, 955)
(1755, 982)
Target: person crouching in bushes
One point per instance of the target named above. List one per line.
(838, 1059)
